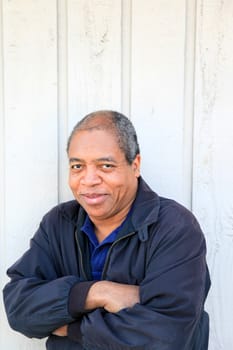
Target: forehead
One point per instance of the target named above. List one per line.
(94, 142)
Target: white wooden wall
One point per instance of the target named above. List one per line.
(166, 64)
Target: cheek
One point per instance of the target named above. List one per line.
(121, 189)
(73, 182)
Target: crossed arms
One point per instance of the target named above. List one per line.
(111, 296)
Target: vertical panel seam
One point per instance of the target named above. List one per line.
(126, 52)
(58, 99)
(62, 107)
(189, 100)
(2, 132)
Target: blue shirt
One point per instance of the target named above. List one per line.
(99, 251)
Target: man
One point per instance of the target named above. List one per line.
(117, 268)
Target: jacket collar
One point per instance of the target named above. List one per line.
(146, 206)
(145, 211)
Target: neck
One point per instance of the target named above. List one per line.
(103, 227)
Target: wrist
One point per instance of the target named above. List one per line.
(77, 298)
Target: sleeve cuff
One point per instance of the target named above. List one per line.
(74, 331)
(77, 298)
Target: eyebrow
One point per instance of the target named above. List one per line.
(102, 159)
(72, 160)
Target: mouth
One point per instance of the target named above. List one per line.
(93, 198)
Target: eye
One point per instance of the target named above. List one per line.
(107, 166)
(76, 167)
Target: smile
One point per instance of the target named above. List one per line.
(93, 198)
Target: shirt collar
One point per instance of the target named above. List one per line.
(88, 229)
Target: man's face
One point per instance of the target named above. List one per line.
(100, 178)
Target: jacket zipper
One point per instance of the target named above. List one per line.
(80, 257)
(109, 252)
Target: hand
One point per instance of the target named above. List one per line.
(112, 296)
(61, 332)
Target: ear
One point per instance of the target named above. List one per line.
(136, 165)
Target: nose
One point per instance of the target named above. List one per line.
(90, 176)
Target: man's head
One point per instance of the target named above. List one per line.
(116, 123)
(104, 165)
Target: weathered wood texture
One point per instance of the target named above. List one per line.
(28, 130)
(213, 158)
(166, 64)
(157, 87)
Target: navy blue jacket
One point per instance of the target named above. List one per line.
(161, 248)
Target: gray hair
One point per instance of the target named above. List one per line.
(115, 122)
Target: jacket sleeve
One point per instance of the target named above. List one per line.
(36, 298)
(172, 295)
